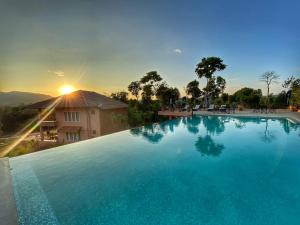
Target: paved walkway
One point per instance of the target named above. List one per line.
(282, 113)
(8, 212)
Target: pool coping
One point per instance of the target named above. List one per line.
(287, 116)
(8, 210)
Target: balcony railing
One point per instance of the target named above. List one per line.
(48, 123)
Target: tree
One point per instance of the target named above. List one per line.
(14, 118)
(206, 68)
(120, 96)
(221, 83)
(279, 100)
(150, 84)
(293, 94)
(291, 83)
(247, 97)
(166, 94)
(193, 89)
(269, 77)
(134, 88)
(161, 93)
(295, 99)
(147, 92)
(151, 77)
(225, 97)
(211, 88)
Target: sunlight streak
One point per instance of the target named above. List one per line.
(45, 113)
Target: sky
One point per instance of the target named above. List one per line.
(104, 45)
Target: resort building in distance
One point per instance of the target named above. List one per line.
(80, 115)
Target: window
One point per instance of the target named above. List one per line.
(73, 136)
(71, 116)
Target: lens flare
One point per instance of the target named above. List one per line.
(44, 114)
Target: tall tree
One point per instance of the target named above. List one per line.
(211, 88)
(269, 77)
(193, 89)
(206, 68)
(134, 88)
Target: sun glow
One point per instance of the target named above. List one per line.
(66, 89)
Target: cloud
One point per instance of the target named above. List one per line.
(57, 73)
(177, 51)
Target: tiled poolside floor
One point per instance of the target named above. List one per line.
(8, 212)
(294, 116)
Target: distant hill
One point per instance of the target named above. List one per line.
(15, 98)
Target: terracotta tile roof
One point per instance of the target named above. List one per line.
(81, 99)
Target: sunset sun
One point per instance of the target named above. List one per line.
(66, 89)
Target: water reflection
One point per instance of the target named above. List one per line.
(214, 124)
(288, 126)
(154, 133)
(172, 124)
(207, 146)
(240, 124)
(192, 124)
(208, 127)
(268, 135)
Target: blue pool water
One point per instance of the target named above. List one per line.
(201, 170)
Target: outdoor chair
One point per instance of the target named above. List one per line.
(196, 108)
(211, 108)
(223, 108)
(185, 108)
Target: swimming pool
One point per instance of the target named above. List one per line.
(197, 170)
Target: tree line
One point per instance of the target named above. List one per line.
(151, 93)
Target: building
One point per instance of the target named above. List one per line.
(81, 115)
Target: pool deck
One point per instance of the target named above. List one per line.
(8, 211)
(281, 113)
(174, 113)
